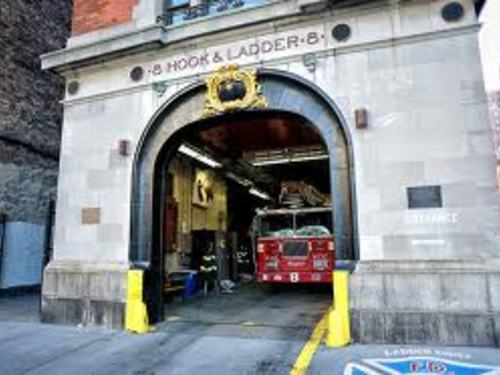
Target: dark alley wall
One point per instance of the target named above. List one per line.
(30, 129)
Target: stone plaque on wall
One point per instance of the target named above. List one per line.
(91, 215)
(424, 197)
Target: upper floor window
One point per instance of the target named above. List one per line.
(177, 11)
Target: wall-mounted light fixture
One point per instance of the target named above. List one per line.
(361, 118)
(123, 147)
(199, 155)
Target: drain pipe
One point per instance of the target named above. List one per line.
(3, 220)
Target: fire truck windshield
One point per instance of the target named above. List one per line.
(303, 224)
(312, 231)
(311, 221)
(276, 225)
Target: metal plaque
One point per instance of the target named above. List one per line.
(91, 215)
(424, 197)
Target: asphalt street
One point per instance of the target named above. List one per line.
(246, 333)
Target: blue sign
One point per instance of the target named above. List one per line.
(356, 369)
(418, 366)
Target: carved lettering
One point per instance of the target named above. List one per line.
(253, 49)
(243, 52)
(291, 42)
(312, 38)
(193, 61)
(171, 66)
(182, 64)
(157, 70)
(267, 46)
(279, 44)
(204, 59)
(218, 58)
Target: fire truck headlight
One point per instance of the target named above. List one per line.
(272, 264)
(330, 246)
(260, 248)
(320, 263)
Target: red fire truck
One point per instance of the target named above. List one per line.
(295, 245)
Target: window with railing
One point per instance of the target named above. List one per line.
(178, 11)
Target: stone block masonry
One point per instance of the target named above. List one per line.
(424, 273)
(30, 131)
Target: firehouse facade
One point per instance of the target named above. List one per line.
(180, 119)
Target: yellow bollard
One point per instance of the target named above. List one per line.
(136, 314)
(339, 332)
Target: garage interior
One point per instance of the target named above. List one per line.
(213, 185)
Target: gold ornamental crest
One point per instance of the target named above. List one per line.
(231, 88)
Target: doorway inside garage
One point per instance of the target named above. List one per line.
(227, 183)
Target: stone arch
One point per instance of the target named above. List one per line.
(285, 92)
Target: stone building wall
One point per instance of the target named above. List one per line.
(494, 111)
(428, 273)
(30, 130)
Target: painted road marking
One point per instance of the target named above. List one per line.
(418, 366)
(307, 353)
(357, 369)
(430, 365)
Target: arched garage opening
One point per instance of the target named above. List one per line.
(295, 104)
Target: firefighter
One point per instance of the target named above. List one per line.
(243, 259)
(208, 271)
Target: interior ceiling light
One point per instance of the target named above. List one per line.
(286, 155)
(298, 159)
(259, 193)
(294, 159)
(198, 155)
(239, 180)
(261, 163)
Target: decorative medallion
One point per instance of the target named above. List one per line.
(453, 11)
(137, 73)
(73, 87)
(341, 32)
(230, 89)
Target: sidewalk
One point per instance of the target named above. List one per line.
(218, 348)
(20, 309)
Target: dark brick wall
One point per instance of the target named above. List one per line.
(30, 113)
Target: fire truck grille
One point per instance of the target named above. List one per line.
(295, 249)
